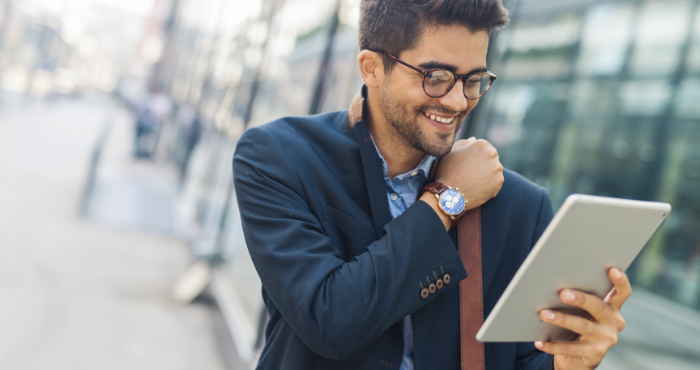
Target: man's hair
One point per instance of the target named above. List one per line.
(394, 26)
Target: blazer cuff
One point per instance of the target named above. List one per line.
(435, 256)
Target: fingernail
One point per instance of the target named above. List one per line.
(539, 344)
(473, 137)
(549, 315)
(569, 296)
(617, 273)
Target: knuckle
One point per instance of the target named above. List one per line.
(564, 320)
(620, 323)
(588, 326)
(613, 340)
(600, 350)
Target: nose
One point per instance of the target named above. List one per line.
(455, 99)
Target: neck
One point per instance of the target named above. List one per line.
(399, 156)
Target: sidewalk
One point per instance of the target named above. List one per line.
(76, 293)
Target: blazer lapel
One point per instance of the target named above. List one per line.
(374, 175)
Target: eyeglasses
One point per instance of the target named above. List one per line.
(437, 82)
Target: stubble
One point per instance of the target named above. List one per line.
(406, 124)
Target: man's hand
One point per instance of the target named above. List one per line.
(472, 166)
(597, 335)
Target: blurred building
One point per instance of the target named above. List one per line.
(70, 46)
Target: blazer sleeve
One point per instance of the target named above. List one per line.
(528, 356)
(336, 307)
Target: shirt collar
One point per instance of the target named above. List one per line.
(423, 167)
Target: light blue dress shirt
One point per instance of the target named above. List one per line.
(402, 192)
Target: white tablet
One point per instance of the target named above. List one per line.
(586, 237)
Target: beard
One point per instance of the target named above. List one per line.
(405, 122)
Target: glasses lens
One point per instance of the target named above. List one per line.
(437, 82)
(477, 85)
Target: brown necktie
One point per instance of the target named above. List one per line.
(471, 298)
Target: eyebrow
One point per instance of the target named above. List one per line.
(450, 67)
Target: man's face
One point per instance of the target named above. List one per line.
(409, 109)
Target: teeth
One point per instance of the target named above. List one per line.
(440, 119)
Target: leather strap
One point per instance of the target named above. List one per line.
(435, 188)
(471, 295)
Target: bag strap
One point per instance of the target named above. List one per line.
(471, 296)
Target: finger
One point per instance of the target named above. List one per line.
(573, 349)
(487, 143)
(623, 289)
(592, 304)
(574, 323)
(463, 143)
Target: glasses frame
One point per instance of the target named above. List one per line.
(425, 72)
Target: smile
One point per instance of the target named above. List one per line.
(444, 120)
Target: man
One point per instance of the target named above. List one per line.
(346, 241)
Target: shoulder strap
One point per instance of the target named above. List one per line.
(471, 296)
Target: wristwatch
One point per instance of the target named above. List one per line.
(450, 201)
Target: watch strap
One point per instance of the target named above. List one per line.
(435, 187)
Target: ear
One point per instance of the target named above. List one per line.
(371, 68)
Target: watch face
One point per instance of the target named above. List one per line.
(452, 202)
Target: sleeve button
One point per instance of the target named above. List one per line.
(438, 283)
(431, 288)
(424, 293)
(446, 278)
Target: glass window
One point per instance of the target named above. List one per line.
(645, 98)
(606, 35)
(661, 31)
(686, 105)
(693, 63)
(541, 50)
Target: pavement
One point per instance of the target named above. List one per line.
(89, 293)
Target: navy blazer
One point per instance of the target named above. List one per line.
(339, 274)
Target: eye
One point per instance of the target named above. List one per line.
(475, 79)
(439, 76)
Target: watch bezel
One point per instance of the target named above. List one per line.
(452, 215)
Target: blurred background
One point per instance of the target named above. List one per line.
(118, 121)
